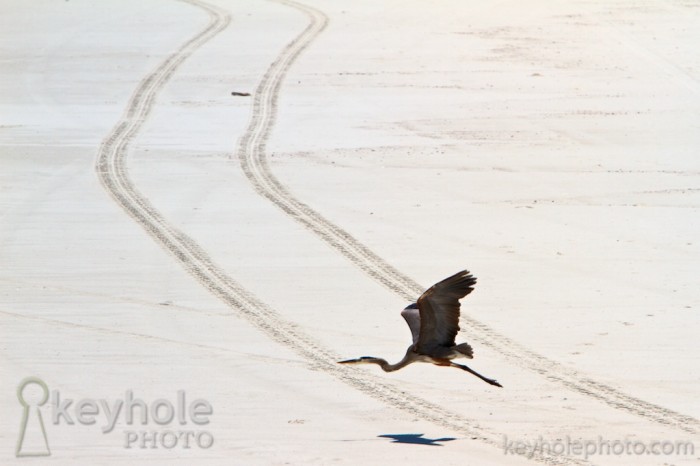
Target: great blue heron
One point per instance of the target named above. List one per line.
(434, 323)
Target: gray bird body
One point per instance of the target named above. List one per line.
(434, 323)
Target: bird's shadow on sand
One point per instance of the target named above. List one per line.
(416, 439)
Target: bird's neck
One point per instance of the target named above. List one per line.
(386, 367)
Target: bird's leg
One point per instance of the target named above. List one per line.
(472, 371)
(441, 362)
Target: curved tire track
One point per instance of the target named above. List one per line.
(253, 159)
(113, 174)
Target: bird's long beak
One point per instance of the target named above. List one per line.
(349, 361)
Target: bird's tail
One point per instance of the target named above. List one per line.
(466, 350)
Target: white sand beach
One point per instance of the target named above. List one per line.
(203, 259)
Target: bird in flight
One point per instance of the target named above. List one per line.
(434, 323)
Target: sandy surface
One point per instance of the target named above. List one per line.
(159, 235)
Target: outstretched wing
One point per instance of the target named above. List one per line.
(412, 316)
(439, 311)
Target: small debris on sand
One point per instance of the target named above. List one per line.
(240, 94)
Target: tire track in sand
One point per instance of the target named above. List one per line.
(253, 159)
(111, 167)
